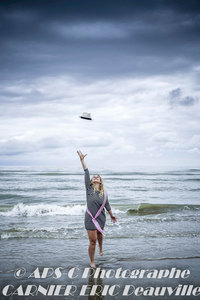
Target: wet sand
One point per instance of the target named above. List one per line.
(22, 270)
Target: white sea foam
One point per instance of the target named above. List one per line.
(5, 236)
(24, 210)
(43, 209)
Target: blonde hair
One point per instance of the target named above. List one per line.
(101, 185)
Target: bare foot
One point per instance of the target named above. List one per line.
(92, 265)
(101, 252)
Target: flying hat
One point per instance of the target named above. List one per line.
(86, 116)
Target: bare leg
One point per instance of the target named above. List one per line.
(92, 235)
(100, 242)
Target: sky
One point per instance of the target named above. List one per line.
(134, 65)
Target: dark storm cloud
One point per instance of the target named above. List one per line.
(187, 101)
(174, 94)
(176, 98)
(98, 38)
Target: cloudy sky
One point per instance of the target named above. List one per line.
(134, 65)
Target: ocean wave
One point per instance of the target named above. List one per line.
(12, 196)
(43, 209)
(148, 208)
(192, 179)
(142, 209)
(60, 173)
(77, 232)
(44, 233)
(23, 210)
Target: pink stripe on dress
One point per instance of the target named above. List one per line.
(95, 222)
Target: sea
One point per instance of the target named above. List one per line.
(42, 220)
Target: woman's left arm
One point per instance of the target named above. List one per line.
(113, 218)
(108, 208)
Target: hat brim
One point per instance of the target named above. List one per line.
(85, 118)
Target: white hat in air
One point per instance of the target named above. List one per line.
(86, 116)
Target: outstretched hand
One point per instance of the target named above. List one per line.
(113, 218)
(81, 155)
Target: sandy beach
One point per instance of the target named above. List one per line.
(57, 273)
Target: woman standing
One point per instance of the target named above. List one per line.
(95, 198)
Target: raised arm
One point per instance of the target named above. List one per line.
(82, 159)
(87, 174)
